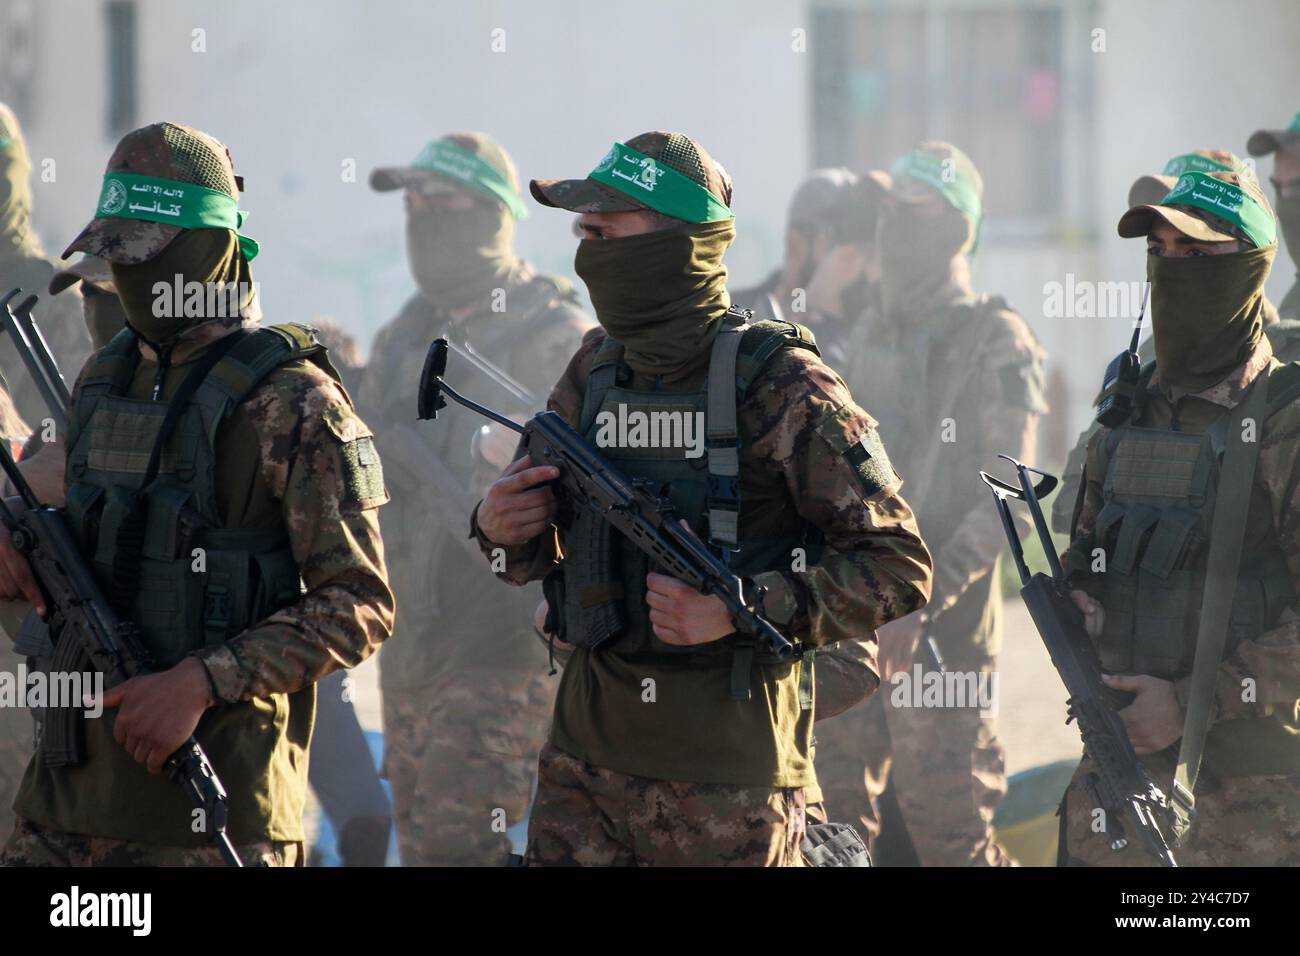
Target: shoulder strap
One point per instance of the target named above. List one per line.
(722, 435)
(601, 377)
(1227, 531)
(762, 340)
(255, 355)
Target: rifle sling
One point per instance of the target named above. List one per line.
(1227, 532)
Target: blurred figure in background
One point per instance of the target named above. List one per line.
(24, 264)
(955, 378)
(466, 693)
(1284, 146)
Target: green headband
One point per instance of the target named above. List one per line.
(5, 141)
(1196, 163)
(660, 187)
(187, 205)
(1295, 124)
(1228, 201)
(444, 156)
(951, 183)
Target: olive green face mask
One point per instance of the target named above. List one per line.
(201, 256)
(104, 314)
(1207, 313)
(458, 257)
(662, 294)
(918, 255)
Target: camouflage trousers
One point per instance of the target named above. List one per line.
(460, 756)
(588, 816)
(946, 767)
(33, 845)
(1240, 821)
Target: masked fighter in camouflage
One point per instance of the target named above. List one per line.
(1282, 330)
(465, 685)
(679, 742)
(957, 378)
(1149, 525)
(259, 567)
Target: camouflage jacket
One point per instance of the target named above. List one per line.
(1272, 660)
(955, 385)
(798, 426)
(435, 475)
(281, 461)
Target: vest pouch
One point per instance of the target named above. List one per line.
(1166, 611)
(84, 505)
(166, 597)
(277, 581)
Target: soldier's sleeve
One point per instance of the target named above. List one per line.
(319, 459)
(1008, 418)
(533, 559)
(1269, 665)
(1077, 557)
(1067, 497)
(874, 567)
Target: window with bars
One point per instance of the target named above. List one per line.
(995, 79)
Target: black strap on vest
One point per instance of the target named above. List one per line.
(128, 550)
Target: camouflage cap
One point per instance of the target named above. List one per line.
(675, 151)
(821, 196)
(91, 270)
(1150, 189)
(163, 151)
(1265, 141)
(1210, 207)
(469, 162)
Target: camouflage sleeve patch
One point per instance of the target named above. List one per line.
(864, 455)
(362, 472)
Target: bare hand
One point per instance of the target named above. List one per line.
(898, 643)
(681, 615)
(1154, 720)
(513, 511)
(158, 712)
(1094, 615)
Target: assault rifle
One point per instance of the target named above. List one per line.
(1121, 787)
(590, 483)
(79, 610)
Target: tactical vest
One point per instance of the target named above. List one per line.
(1159, 493)
(709, 491)
(195, 583)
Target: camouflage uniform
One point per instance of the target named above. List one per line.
(286, 457)
(1250, 819)
(955, 380)
(718, 770)
(466, 694)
